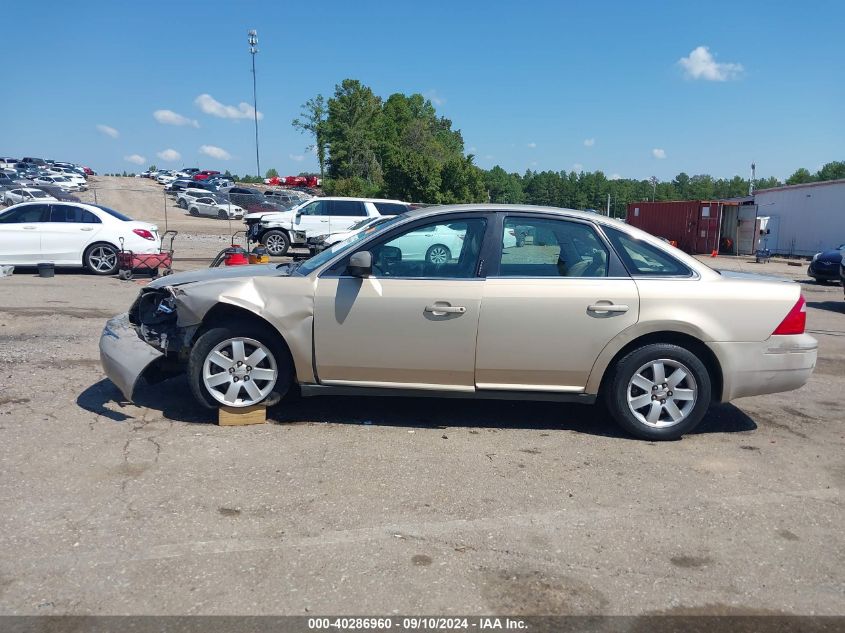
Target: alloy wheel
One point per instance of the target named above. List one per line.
(438, 255)
(239, 372)
(662, 393)
(102, 258)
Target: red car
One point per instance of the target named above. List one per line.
(89, 172)
(205, 174)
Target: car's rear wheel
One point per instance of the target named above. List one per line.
(181, 204)
(276, 242)
(438, 254)
(101, 259)
(659, 391)
(238, 366)
(194, 211)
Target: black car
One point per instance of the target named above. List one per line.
(825, 265)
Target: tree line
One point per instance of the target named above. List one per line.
(400, 148)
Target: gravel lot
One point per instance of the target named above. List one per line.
(367, 506)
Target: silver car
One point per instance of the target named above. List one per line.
(581, 308)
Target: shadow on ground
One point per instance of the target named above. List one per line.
(175, 402)
(832, 306)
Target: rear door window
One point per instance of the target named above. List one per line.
(347, 208)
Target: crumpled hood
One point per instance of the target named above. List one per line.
(223, 272)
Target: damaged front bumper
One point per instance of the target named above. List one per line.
(124, 355)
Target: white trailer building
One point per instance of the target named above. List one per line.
(802, 219)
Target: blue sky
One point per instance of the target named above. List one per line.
(539, 85)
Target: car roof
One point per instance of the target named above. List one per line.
(359, 199)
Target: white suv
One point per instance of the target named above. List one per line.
(277, 231)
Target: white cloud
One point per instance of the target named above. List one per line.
(532, 145)
(700, 64)
(473, 150)
(297, 157)
(169, 155)
(614, 177)
(215, 152)
(169, 117)
(435, 98)
(534, 163)
(589, 142)
(658, 153)
(135, 158)
(212, 106)
(578, 167)
(108, 130)
(488, 156)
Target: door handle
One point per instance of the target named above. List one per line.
(607, 307)
(86, 228)
(29, 228)
(440, 310)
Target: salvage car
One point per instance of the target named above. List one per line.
(595, 309)
(824, 266)
(71, 234)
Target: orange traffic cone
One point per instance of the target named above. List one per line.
(714, 253)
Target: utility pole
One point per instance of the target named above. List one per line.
(252, 38)
(608, 205)
(753, 178)
(653, 180)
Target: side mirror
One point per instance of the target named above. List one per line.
(360, 264)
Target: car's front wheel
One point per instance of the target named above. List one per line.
(222, 215)
(101, 259)
(659, 391)
(238, 366)
(276, 242)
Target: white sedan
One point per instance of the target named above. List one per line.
(25, 194)
(72, 234)
(59, 181)
(71, 174)
(214, 208)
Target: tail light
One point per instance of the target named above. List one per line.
(795, 321)
(144, 233)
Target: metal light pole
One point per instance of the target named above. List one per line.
(253, 49)
(653, 180)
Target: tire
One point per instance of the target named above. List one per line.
(125, 275)
(276, 242)
(194, 212)
(438, 254)
(217, 342)
(222, 215)
(633, 379)
(100, 258)
(181, 203)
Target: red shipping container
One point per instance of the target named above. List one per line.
(694, 224)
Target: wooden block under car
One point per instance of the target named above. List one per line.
(241, 416)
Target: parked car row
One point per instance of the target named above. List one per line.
(31, 172)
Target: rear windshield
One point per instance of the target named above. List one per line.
(113, 213)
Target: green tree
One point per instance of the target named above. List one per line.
(831, 171)
(312, 120)
(800, 176)
(271, 173)
(152, 168)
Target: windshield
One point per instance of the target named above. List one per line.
(37, 194)
(346, 245)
